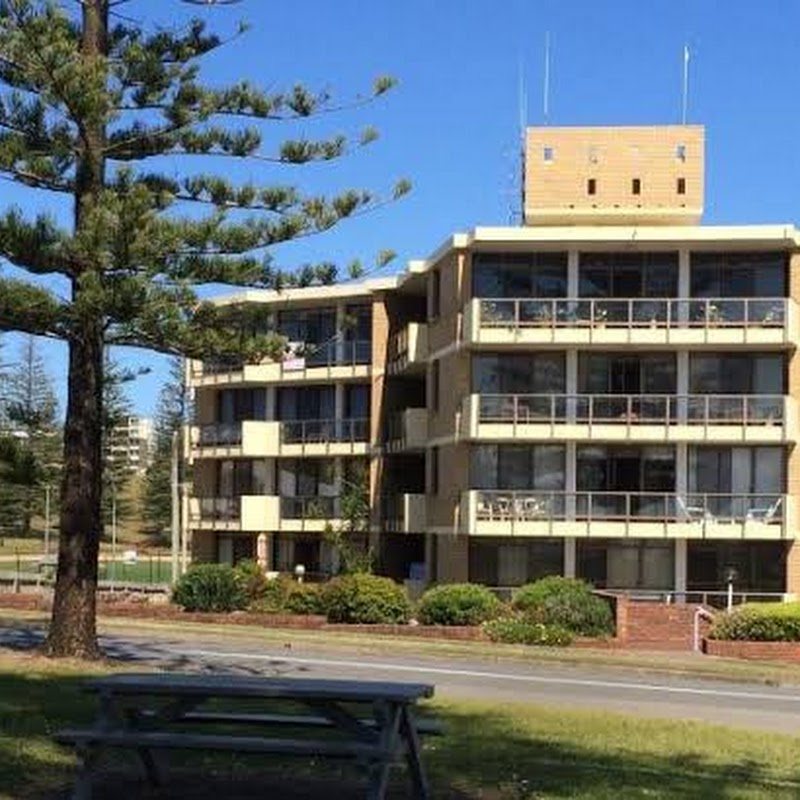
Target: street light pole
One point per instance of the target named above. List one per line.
(47, 519)
(176, 507)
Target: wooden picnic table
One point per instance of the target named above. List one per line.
(370, 722)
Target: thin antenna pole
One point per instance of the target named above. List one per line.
(685, 83)
(523, 122)
(546, 100)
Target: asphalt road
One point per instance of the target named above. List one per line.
(727, 703)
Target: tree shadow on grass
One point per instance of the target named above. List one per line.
(483, 754)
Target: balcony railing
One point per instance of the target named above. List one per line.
(325, 431)
(533, 506)
(633, 312)
(338, 353)
(311, 507)
(220, 434)
(645, 409)
(219, 508)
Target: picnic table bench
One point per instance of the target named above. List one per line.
(370, 722)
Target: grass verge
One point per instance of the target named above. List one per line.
(514, 752)
(650, 662)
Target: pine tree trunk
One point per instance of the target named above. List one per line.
(73, 629)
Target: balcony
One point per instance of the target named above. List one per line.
(312, 513)
(408, 349)
(336, 360)
(260, 439)
(644, 322)
(407, 430)
(334, 437)
(248, 513)
(627, 514)
(722, 419)
(405, 513)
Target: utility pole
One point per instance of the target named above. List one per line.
(175, 506)
(47, 519)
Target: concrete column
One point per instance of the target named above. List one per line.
(340, 332)
(571, 383)
(272, 403)
(572, 273)
(684, 285)
(793, 569)
(570, 556)
(452, 558)
(682, 384)
(681, 561)
(570, 479)
(338, 401)
(682, 469)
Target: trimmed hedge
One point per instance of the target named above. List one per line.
(209, 587)
(521, 629)
(567, 603)
(458, 604)
(304, 598)
(365, 599)
(759, 622)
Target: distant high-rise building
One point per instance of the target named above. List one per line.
(132, 444)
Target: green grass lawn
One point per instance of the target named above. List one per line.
(509, 752)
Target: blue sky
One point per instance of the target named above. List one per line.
(451, 126)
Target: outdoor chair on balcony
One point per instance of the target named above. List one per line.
(766, 514)
(501, 508)
(533, 508)
(694, 513)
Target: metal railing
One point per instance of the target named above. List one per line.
(337, 353)
(310, 507)
(220, 434)
(698, 409)
(325, 431)
(533, 506)
(633, 312)
(219, 509)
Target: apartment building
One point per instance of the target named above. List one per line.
(607, 390)
(132, 444)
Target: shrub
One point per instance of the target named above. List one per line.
(568, 603)
(521, 629)
(458, 604)
(365, 598)
(272, 599)
(759, 622)
(209, 587)
(304, 598)
(252, 580)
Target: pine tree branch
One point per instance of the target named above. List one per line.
(39, 247)
(31, 309)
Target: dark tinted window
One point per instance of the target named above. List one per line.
(519, 275)
(738, 274)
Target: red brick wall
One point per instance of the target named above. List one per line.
(761, 651)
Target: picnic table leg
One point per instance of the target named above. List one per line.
(83, 785)
(408, 730)
(388, 718)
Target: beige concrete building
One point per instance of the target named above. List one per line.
(607, 391)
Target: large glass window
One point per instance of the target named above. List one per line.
(236, 405)
(308, 326)
(759, 566)
(736, 373)
(628, 275)
(356, 401)
(242, 476)
(736, 470)
(618, 373)
(509, 562)
(738, 274)
(307, 477)
(511, 466)
(625, 469)
(306, 403)
(519, 275)
(540, 373)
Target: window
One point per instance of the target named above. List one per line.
(636, 186)
(620, 373)
(236, 405)
(433, 470)
(542, 373)
(519, 275)
(738, 275)
(680, 152)
(435, 386)
(514, 466)
(436, 294)
(591, 186)
(736, 373)
(629, 275)
(548, 154)
(681, 185)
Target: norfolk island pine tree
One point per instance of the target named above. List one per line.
(87, 98)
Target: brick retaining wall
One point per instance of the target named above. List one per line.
(759, 651)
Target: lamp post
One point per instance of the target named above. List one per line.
(731, 574)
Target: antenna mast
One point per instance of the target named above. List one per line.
(546, 93)
(523, 121)
(685, 83)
